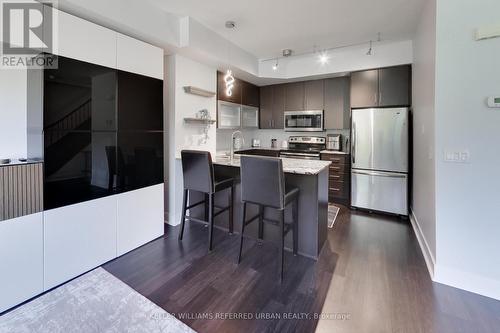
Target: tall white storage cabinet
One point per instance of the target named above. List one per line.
(21, 258)
(43, 250)
(138, 57)
(82, 40)
(78, 238)
(140, 217)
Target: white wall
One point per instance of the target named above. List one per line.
(13, 114)
(341, 60)
(137, 19)
(182, 71)
(424, 72)
(468, 195)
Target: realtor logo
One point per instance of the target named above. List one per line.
(27, 33)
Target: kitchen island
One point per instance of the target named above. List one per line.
(309, 176)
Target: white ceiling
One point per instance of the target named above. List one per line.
(265, 27)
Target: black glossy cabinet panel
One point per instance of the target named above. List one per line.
(139, 160)
(139, 99)
(76, 167)
(79, 96)
(103, 132)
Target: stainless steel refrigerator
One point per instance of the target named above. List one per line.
(379, 152)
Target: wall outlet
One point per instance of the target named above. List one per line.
(457, 156)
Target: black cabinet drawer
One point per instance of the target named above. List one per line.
(339, 168)
(339, 177)
(338, 189)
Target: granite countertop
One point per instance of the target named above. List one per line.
(334, 152)
(290, 165)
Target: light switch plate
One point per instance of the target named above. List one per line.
(462, 156)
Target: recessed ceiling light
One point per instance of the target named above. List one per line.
(323, 58)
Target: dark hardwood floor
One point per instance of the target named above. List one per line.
(370, 277)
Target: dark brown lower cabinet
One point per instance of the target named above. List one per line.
(339, 178)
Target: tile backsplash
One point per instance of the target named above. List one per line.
(265, 136)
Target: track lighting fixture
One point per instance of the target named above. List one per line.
(276, 65)
(369, 53)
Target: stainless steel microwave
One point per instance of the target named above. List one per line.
(304, 121)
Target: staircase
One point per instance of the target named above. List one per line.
(63, 142)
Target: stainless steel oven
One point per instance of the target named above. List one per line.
(301, 156)
(304, 147)
(304, 121)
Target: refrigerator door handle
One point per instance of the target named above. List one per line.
(380, 174)
(353, 143)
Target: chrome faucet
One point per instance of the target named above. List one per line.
(233, 136)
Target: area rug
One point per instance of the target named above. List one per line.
(333, 211)
(94, 302)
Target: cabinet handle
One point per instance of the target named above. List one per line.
(334, 189)
(375, 98)
(380, 98)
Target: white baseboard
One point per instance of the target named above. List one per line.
(174, 218)
(430, 261)
(452, 277)
(467, 281)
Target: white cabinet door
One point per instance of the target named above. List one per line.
(82, 40)
(140, 217)
(249, 117)
(228, 115)
(78, 238)
(21, 259)
(138, 57)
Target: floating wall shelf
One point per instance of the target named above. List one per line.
(199, 121)
(198, 91)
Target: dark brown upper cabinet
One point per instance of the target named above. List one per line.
(266, 107)
(364, 89)
(314, 95)
(279, 106)
(272, 106)
(336, 107)
(383, 87)
(294, 96)
(394, 86)
(249, 94)
(221, 90)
